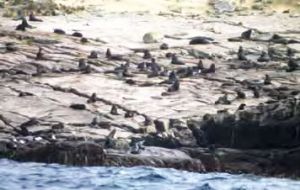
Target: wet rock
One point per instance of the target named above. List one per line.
(84, 40)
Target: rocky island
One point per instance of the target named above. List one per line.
(212, 88)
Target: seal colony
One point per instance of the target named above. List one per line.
(202, 106)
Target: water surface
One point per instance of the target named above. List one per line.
(35, 176)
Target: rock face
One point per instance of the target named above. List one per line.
(274, 125)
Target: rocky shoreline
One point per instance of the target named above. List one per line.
(224, 102)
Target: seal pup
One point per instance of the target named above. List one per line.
(93, 55)
(114, 110)
(111, 56)
(39, 55)
(92, 99)
(267, 80)
(33, 18)
(176, 61)
(147, 54)
(264, 57)
(241, 54)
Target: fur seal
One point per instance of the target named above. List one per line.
(174, 87)
(169, 55)
(164, 46)
(200, 40)
(84, 40)
(223, 100)
(111, 56)
(247, 34)
(39, 54)
(114, 110)
(256, 93)
(172, 77)
(23, 94)
(264, 57)
(78, 106)
(147, 54)
(77, 34)
(292, 65)
(93, 55)
(11, 47)
(23, 25)
(290, 52)
(240, 94)
(267, 80)
(211, 69)
(129, 114)
(176, 61)
(241, 107)
(33, 18)
(147, 121)
(141, 66)
(241, 54)
(92, 99)
(59, 31)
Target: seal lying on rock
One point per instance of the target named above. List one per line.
(24, 131)
(241, 107)
(201, 40)
(77, 34)
(78, 106)
(164, 46)
(33, 18)
(59, 31)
